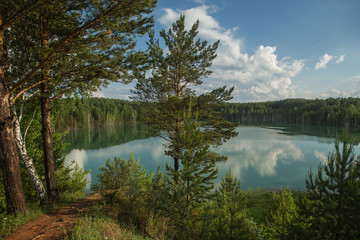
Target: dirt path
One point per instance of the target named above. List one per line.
(54, 226)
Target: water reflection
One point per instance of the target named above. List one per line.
(79, 157)
(321, 156)
(260, 157)
(263, 156)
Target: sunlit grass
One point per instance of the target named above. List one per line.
(101, 227)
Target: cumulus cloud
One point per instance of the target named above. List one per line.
(260, 75)
(323, 61)
(118, 90)
(340, 59)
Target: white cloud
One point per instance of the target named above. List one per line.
(261, 75)
(340, 59)
(118, 90)
(323, 61)
(341, 93)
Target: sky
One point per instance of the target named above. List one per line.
(271, 49)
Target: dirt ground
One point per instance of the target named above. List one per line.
(54, 226)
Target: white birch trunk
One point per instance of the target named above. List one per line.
(28, 162)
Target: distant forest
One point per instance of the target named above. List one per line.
(93, 112)
(81, 113)
(332, 112)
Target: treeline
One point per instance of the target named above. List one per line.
(331, 111)
(80, 113)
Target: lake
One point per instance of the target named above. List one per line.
(270, 157)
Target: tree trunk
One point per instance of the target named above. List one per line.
(49, 160)
(28, 162)
(15, 200)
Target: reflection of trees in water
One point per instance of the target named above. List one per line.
(323, 134)
(95, 138)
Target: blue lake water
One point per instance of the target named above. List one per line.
(261, 156)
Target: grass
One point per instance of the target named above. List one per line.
(9, 223)
(102, 227)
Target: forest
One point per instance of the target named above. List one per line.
(53, 54)
(339, 112)
(81, 113)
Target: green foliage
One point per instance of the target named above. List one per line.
(71, 179)
(9, 223)
(133, 194)
(123, 179)
(191, 185)
(282, 217)
(167, 93)
(331, 111)
(165, 210)
(230, 216)
(334, 198)
(95, 112)
(2, 198)
(100, 227)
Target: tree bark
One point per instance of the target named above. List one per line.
(15, 200)
(28, 162)
(49, 160)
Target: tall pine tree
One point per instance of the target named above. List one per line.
(167, 92)
(191, 185)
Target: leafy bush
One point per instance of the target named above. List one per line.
(135, 195)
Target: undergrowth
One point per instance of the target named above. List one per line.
(9, 223)
(102, 227)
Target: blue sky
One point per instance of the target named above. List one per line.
(272, 49)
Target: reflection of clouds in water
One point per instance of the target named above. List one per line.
(153, 147)
(321, 156)
(262, 155)
(79, 156)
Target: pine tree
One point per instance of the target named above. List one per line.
(283, 217)
(230, 212)
(191, 185)
(168, 91)
(334, 198)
